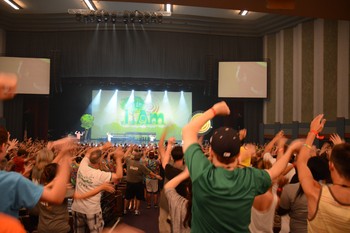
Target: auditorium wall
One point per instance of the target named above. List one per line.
(309, 72)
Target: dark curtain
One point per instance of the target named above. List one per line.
(253, 116)
(13, 113)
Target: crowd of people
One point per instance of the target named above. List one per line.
(223, 186)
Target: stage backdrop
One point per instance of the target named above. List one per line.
(139, 116)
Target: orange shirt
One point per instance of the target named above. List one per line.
(9, 224)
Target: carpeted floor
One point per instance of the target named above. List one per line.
(146, 221)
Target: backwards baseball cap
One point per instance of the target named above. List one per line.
(225, 142)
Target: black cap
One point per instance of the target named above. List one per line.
(225, 142)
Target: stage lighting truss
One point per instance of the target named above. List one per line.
(126, 17)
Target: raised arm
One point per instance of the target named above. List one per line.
(173, 183)
(103, 187)
(118, 156)
(280, 165)
(166, 156)
(190, 131)
(161, 147)
(270, 145)
(310, 187)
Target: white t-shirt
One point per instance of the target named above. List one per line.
(89, 178)
(262, 221)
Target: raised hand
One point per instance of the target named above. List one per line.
(296, 144)
(317, 124)
(171, 141)
(12, 144)
(221, 108)
(118, 153)
(8, 85)
(242, 134)
(336, 139)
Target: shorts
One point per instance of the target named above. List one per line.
(94, 222)
(152, 186)
(134, 189)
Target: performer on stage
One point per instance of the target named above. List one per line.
(109, 137)
(79, 134)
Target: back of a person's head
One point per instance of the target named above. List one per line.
(319, 168)
(3, 135)
(226, 144)
(95, 156)
(49, 173)
(22, 152)
(43, 157)
(341, 159)
(177, 153)
(260, 163)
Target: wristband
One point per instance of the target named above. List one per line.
(316, 134)
(214, 112)
(308, 146)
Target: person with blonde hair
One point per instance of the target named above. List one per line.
(43, 158)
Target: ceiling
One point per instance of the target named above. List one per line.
(219, 17)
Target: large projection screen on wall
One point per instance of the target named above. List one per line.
(242, 80)
(139, 116)
(33, 73)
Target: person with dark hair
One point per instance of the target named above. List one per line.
(19, 160)
(328, 205)
(87, 213)
(223, 193)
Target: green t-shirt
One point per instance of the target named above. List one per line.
(222, 199)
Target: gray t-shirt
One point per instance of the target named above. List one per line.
(135, 171)
(53, 218)
(177, 210)
(297, 206)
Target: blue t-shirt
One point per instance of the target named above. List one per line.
(17, 192)
(222, 199)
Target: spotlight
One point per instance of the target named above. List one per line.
(86, 19)
(98, 18)
(147, 17)
(132, 16)
(139, 17)
(153, 18)
(159, 18)
(91, 18)
(114, 18)
(106, 17)
(126, 17)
